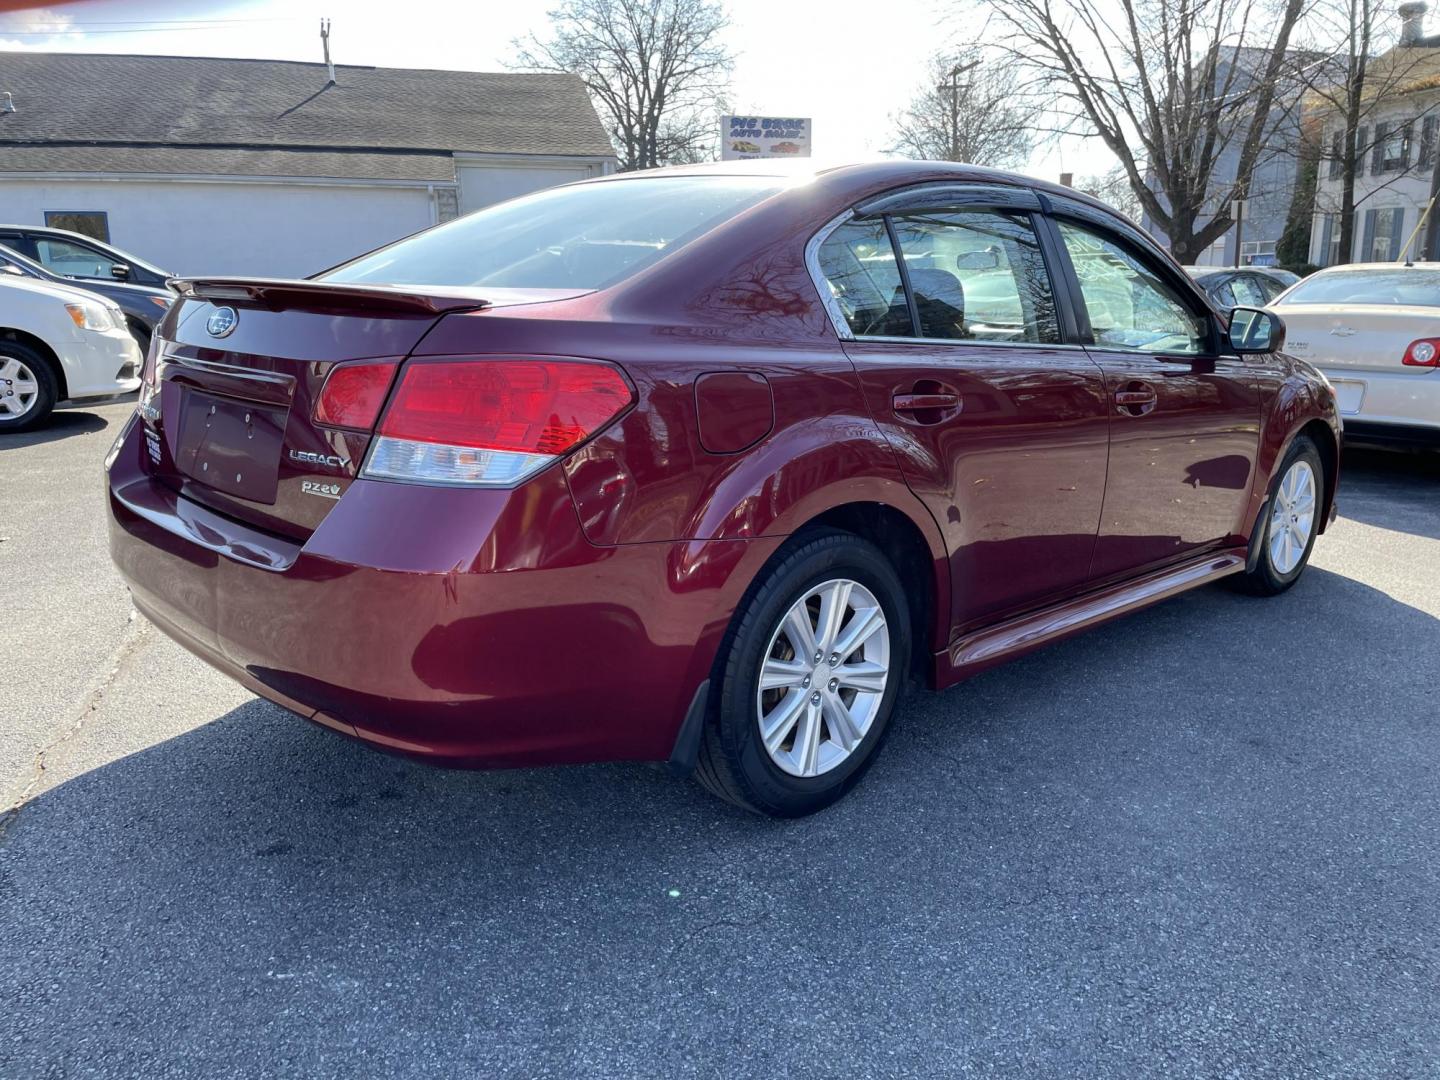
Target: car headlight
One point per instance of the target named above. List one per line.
(90, 316)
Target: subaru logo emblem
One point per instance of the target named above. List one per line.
(222, 321)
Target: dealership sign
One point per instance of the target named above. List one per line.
(744, 137)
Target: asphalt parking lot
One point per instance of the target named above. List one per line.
(1204, 841)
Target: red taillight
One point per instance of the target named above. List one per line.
(1423, 353)
(353, 394)
(492, 422)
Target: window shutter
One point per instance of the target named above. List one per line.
(1327, 230)
(1377, 153)
(1367, 239)
(1427, 142)
(1406, 136)
(1362, 140)
(1397, 229)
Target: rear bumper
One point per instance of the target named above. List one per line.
(1402, 398)
(474, 628)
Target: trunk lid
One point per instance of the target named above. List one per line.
(1363, 338)
(240, 364)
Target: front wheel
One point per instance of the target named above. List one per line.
(1290, 524)
(27, 388)
(810, 675)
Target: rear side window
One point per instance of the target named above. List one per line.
(587, 236)
(976, 275)
(1130, 305)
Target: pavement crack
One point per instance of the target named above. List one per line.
(116, 664)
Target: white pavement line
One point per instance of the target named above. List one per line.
(137, 629)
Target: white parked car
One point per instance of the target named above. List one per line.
(1374, 330)
(58, 344)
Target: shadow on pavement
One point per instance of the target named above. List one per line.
(1392, 489)
(1201, 840)
(61, 425)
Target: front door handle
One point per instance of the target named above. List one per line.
(916, 402)
(1135, 399)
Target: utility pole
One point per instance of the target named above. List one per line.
(953, 87)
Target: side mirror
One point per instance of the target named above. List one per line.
(120, 271)
(1255, 330)
(6, 268)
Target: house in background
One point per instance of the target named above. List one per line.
(1395, 152)
(274, 167)
(1272, 179)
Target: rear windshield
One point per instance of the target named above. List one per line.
(1399, 286)
(583, 237)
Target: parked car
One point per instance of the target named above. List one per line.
(1239, 286)
(143, 304)
(674, 465)
(58, 343)
(1374, 330)
(74, 255)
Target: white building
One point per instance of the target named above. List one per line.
(268, 167)
(1395, 153)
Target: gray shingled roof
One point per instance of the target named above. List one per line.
(98, 101)
(230, 161)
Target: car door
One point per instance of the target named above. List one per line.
(1185, 416)
(949, 313)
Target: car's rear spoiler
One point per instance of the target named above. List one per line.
(280, 293)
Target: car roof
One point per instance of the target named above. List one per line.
(1380, 266)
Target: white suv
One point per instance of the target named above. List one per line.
(57, 344)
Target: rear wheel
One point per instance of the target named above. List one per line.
(28, 390)
(1291, 522)
(809, 679)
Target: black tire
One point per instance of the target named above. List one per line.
(1266, 579)
(733, 761)
(46, 395)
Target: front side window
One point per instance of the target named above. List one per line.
(976, 275)
(73, 260)
(1130, 306)
(586, 236)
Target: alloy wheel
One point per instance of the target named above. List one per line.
(19, 388)
(823, 677)
(1293, 517)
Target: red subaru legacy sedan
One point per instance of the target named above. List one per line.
(705, 465)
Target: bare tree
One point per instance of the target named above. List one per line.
(1172, 87)
(656, 69)
(969, 110)
(1113, 188)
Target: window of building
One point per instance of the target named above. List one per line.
(1427, 142)
(1391, 150)
(1257, 253)
(1383, 239)
(1337, 155)
(92, 223)
(1329, 253)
